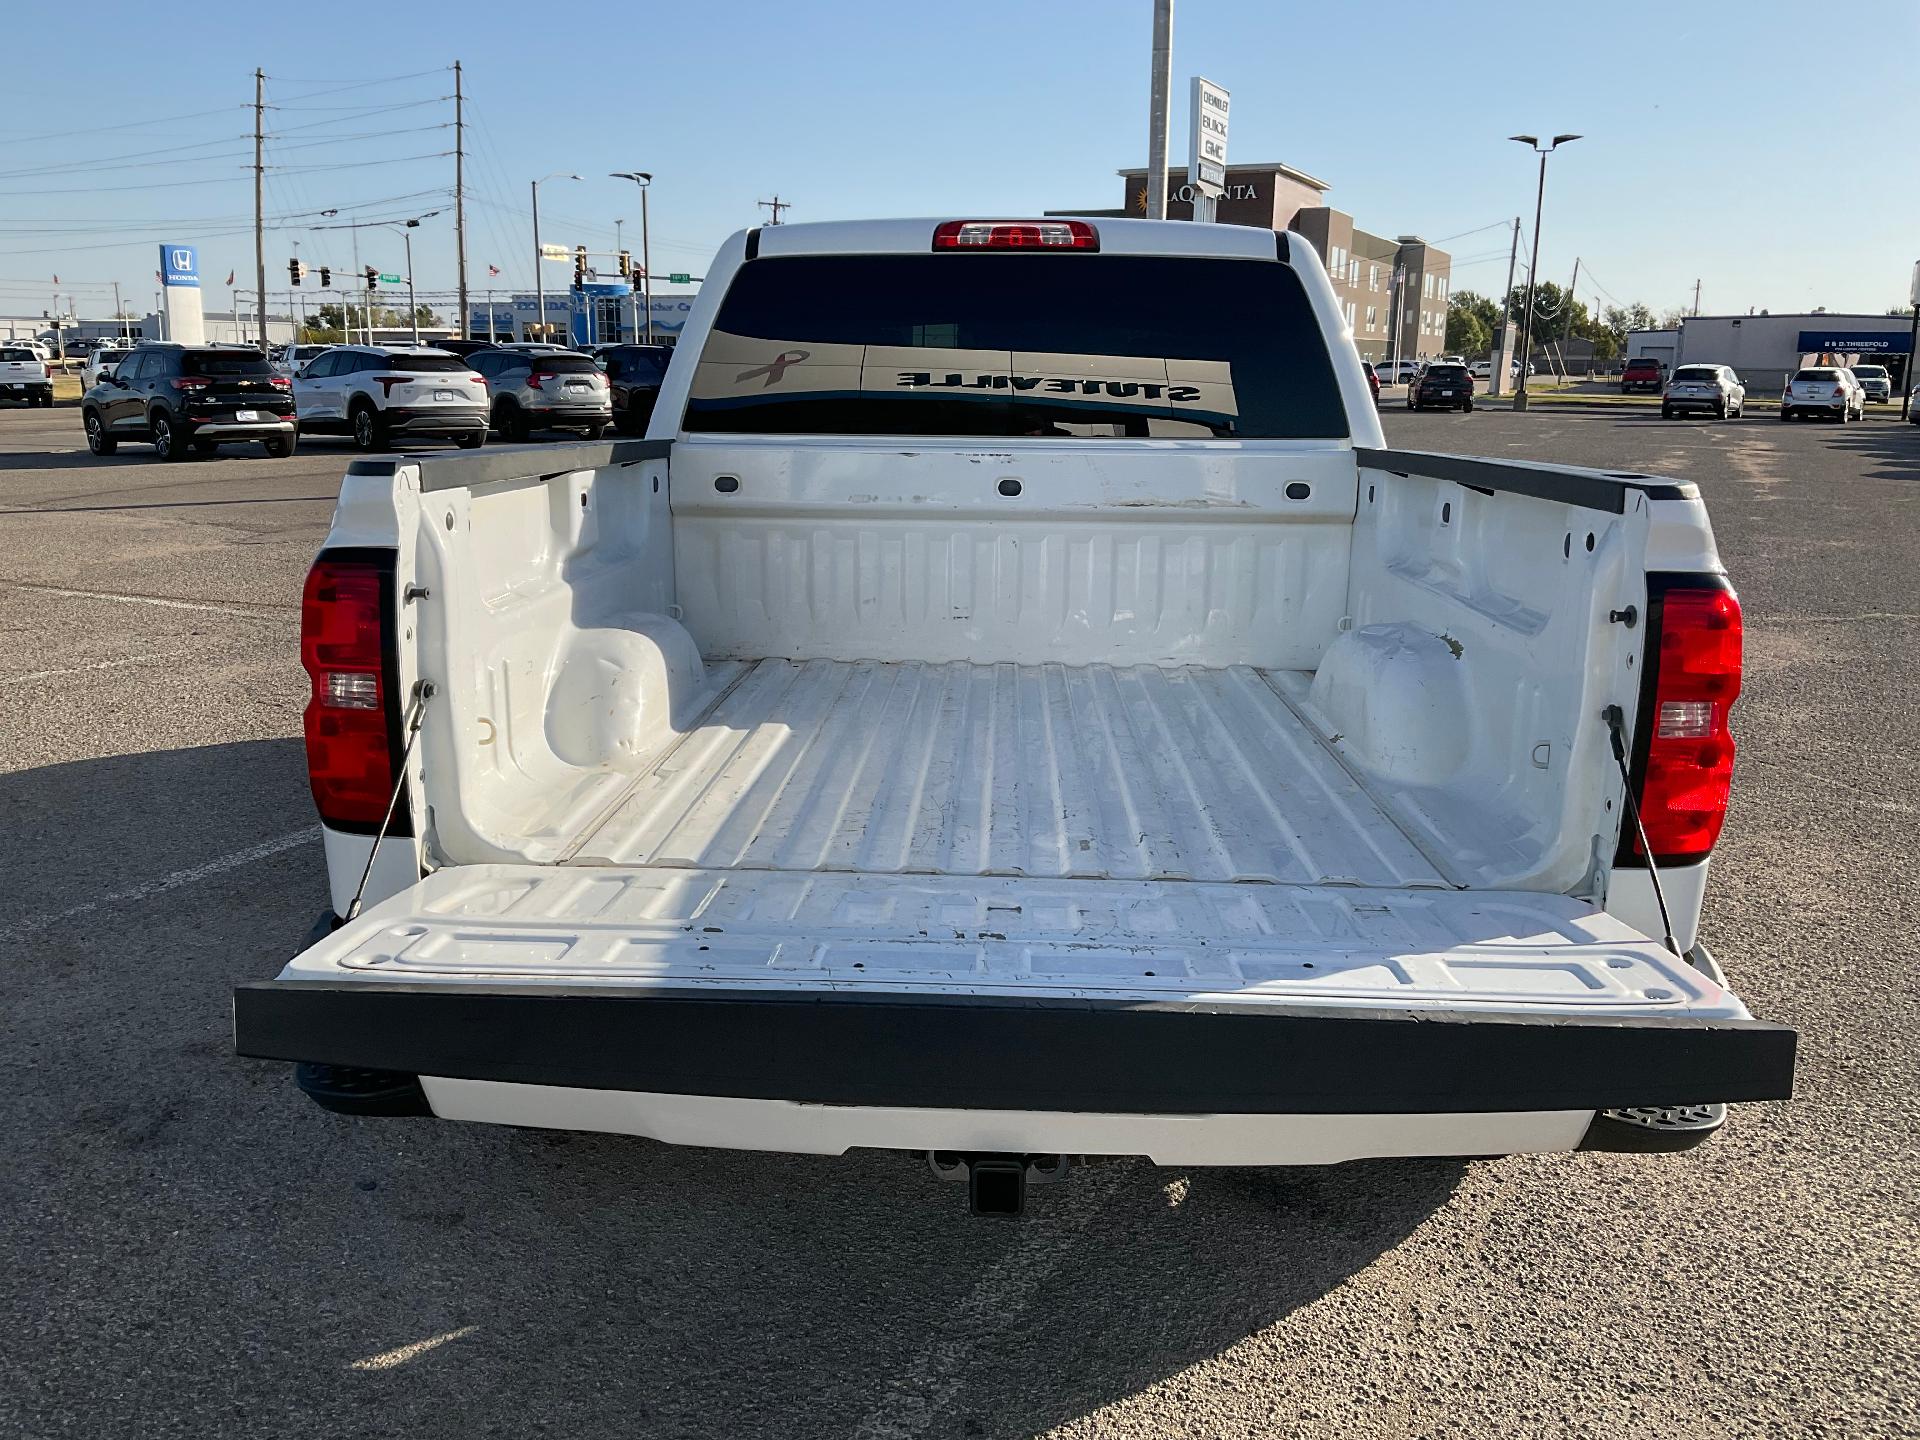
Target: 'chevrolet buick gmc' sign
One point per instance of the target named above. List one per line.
(1854, 342)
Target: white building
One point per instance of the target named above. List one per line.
(1765, 349)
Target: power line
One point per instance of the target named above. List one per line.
(129, 125)
(357, 85)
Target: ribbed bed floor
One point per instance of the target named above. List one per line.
(1144, 772)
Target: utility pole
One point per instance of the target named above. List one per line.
(459, 195)
(1567, 343)
(119, 311)
(259, 216)
(776, 205)
(413, 306)
(1158, 87)
(1696, 298)
(1497, 372)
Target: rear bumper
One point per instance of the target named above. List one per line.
(238, 430)
(1011, 1054)
(562, 417)
(434, 420)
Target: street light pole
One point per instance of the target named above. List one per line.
(1158, 88)
(1533, 269)
(539, 281)
(413, 307)
(644, 179)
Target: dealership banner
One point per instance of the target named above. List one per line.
(1854, 342)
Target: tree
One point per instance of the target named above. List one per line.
(1471, 320)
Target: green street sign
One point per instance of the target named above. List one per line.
(679, 279)
(390, 279)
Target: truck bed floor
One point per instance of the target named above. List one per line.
(1144, 772)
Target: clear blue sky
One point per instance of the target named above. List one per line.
(1721, 139)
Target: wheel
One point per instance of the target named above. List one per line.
(167, 444)
(1467, 408)
(513, 424)
(473, 441)
(1720, 408)
(279, 447)
(98, 440)
(594, 432)
(1785, 414)
(367, 429)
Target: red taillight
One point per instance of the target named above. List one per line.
(280, 382)
(387, 382)
(534, 379)
(1689, 756)
(1016, 235)
(479, 380)
(349, 750)
(191, 382)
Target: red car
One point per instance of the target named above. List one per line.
(1643, 372)
(1373, 379)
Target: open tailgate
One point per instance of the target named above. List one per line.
(1008, 993)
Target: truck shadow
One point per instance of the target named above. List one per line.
(188, 1207)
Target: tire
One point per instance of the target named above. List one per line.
(278, 447)
(594, 432)
(1467, 408)
(1785, 414)
(473, 441)
(514, 426)
(1666, 412)
(367, 429)
(167, 444)
(1720, 409)
(98, 440)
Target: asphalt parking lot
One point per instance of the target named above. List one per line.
(188, 1247)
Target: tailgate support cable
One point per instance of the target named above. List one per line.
(422, 692)
(1617, 732)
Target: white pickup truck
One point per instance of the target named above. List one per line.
(1013, 706)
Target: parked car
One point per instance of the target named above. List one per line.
(634, 373)
(1875, 382)
(533, 390)
(1712, 388)
(1398, 372)
(290, 359)
(1643, 372)
(41, 350)
(785, 817)
(1448, 387)
(1828, 390)
(23, 375)
(100, 364)
(464, 348)
(381, 394)
(190, 398)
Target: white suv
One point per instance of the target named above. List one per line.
(379, 395)
(1875, 382)
(1824, 390)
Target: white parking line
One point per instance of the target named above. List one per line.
(238, 607)
(33, 924)
(400, 1354)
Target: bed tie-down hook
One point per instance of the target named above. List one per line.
(416, 709)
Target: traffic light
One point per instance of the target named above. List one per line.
(626, 264)
(373, 277)
(293, 271)
(326, 277)
(579, 265)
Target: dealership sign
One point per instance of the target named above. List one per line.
(1854, 342)
(1207, 159)
(180, 265)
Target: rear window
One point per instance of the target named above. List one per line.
(1704, 374)
(1825, 376)
(565, 365)
(1447, 372)
(18, 355)
(427, 364)
(1640, 362)
(1872, 372)
(224, 362)
(1009, 344)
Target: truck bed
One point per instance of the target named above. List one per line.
(1048, 771)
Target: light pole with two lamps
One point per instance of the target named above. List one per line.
(1539, 204)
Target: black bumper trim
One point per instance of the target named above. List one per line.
(1001, 1053)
